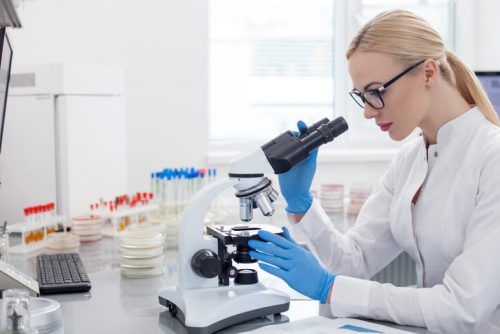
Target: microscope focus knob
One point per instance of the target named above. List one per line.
(232, 272)
(205, 263)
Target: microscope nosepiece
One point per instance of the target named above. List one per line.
(261, 195)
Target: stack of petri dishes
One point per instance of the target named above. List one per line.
(171, 225)
(89, 228)
(63, 242)
(358, 195)
(141, 253)
(332, 198)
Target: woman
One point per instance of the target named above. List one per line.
(439, 200)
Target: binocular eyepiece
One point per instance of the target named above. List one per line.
(288, 150)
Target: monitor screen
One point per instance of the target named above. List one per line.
(491, 84)
(5, 64)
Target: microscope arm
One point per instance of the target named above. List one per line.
(191, 237)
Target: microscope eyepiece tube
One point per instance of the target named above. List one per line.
(338, 126)
(325, 133)
(288, 150)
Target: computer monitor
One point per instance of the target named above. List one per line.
(491, 84)
(5, 65)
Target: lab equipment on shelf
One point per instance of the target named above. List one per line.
(37, 213)
(174, 187)
(34, 234)
(125, 210)
(61, 273)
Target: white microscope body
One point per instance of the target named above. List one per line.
(200, 303)
(205, 300)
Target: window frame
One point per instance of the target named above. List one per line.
(349, 147)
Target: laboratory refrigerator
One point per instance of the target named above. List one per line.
(64, 138)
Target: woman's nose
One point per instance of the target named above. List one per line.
(370, 112)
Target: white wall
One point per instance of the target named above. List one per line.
(476, 33)
(161, 44)
(488, 46)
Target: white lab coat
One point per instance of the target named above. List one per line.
(452, 233)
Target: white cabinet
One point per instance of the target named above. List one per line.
(64, 139)
(28, 155)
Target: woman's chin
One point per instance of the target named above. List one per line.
(398, 135)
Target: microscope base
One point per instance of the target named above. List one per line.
(208, 310)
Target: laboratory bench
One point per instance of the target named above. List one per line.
(130, 305)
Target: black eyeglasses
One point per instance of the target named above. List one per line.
(374, 96)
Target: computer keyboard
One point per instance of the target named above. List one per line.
(61, 273)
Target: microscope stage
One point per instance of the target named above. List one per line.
(235, 234)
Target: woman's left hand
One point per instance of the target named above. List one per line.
(284, 258)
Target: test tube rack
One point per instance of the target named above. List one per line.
(121, 218)
(34, 234)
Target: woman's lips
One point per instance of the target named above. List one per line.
(385, 126)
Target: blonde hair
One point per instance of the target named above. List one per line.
(409, 38)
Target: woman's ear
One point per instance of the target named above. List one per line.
(431, 70)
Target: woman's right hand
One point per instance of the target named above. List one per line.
(295, 184)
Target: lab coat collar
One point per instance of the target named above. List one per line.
(459, 126)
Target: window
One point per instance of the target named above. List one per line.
(273, 62)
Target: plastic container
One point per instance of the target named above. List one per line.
(15, 312)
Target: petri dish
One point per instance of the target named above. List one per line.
(142, 272)
(141, 239)
(140, 252)
(63, 241)
(151, 262)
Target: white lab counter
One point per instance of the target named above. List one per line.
(117, 304)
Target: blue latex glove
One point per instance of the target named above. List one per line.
(292, 263)
(296, 183)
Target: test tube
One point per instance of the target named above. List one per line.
(164, 181)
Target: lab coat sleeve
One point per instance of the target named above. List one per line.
(367, 247)
(470, 291)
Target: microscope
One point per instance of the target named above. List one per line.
(211, 292)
